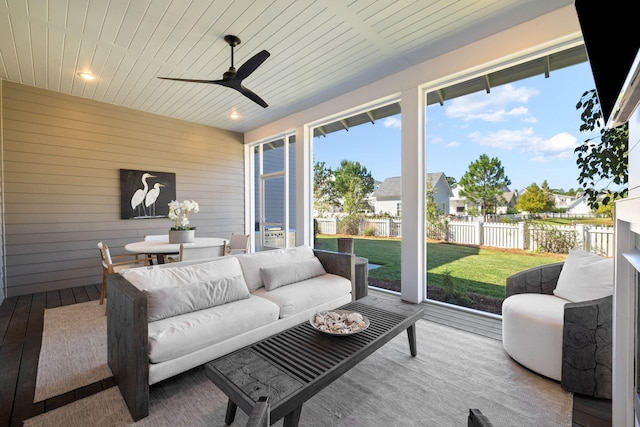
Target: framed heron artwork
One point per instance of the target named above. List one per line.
(146, 194)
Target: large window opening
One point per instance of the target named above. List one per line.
(494, 143)
(274, 193)
(357, 192)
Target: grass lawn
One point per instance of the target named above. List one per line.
(481, 270)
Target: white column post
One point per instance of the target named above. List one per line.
(304, 184)
(414, 261)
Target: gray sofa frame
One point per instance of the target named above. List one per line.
(587, 332)
(127, 332)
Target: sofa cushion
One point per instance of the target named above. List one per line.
(184, 298)
(252, 263)
(286, 274)
(186, 333)
(186, 288)
(304, 295)
(584, 277)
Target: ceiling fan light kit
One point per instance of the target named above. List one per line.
(233, 78)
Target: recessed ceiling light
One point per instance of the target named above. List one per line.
(87, 76)
(234, 115)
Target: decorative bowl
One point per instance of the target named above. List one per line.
(339, 322)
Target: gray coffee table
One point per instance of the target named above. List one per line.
(292, 366)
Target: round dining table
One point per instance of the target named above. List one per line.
(161, 247)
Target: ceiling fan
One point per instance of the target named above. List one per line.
(233, 78)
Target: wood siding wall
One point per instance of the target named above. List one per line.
(61, 190)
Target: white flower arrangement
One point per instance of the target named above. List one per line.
(179, 213)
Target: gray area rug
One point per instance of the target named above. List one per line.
(454, 371)
(74, 349)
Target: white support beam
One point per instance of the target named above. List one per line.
(373, 121)
(304, 186)
(413, 248)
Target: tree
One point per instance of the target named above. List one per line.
(484, 183)
(606, 209)
(545, 187)
(605, 160)
(535, 200)
(324, 192)
(436, 220)
(353, 182)
(452, 181)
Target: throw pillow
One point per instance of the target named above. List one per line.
(172, 301)
(182, 273)
(251, 263)
(584, 277)
(280, 275)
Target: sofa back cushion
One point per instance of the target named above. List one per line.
(185, 288)
(584, 277)
(279, 275)
(252, 263)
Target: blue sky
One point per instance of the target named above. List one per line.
(531, 126)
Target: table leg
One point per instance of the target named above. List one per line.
(411, 334)
(231, 413)
(292, 418)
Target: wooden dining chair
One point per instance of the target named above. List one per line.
(191, 251)
(238, 244)
(117, 263)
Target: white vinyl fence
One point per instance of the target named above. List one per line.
(598, 240)
(561, 239)
(387, 227)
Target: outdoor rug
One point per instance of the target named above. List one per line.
(454, 371)
(74, 349)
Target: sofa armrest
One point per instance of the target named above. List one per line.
(587, 345)
(128, 343)
(342, 264)
(540, 280)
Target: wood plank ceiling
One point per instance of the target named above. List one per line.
(319, 48)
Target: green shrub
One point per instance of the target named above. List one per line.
(453, 294)
(369, 231)
(349, 225)
(555, 241)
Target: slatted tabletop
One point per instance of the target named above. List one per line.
(292, 366)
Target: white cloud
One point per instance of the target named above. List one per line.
(452, 144)
(503, 102)
(392, 122)
(505, 139)
(559, 146)
(557, 143)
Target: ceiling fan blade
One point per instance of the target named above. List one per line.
(237, 85)
(252, 96)
(191, 80)
(250, 66)
(232, 78)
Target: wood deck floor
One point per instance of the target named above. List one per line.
(21, 323)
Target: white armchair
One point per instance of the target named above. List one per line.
(557, 321)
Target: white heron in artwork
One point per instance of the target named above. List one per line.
(152, 196)
(138, 197)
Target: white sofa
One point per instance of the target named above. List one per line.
(167, 319)
(557, 320)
